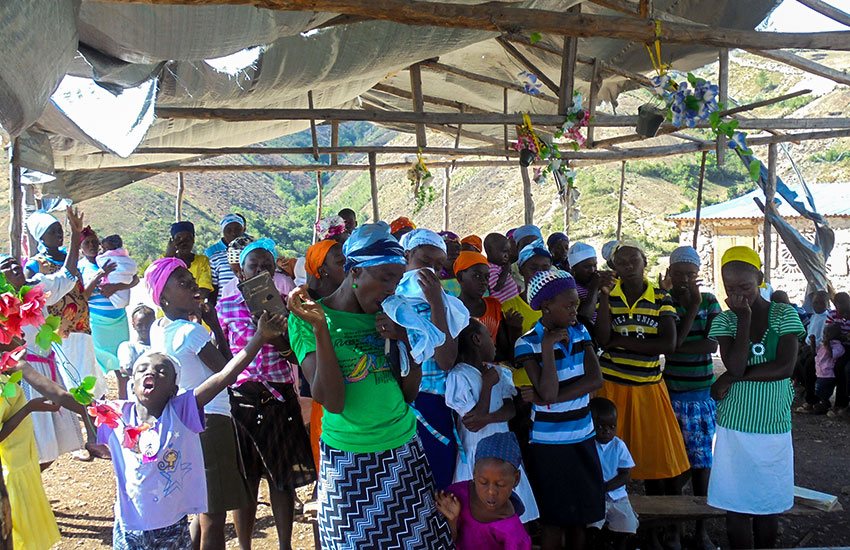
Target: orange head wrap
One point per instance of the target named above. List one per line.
(315, 256)
(467, 259)
(400, 223)
(473, 240)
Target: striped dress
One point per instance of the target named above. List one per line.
(647, 423)
(753, 471)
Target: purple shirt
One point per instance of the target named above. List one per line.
(503, 534)
(158, 492)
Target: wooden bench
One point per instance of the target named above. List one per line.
(686, 507)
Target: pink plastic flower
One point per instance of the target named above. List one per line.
(131, 435)
(32, 306)
(8, 359)
(104, 414)
(10, 305)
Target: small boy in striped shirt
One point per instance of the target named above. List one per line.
(502, 286)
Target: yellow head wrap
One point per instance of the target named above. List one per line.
(742, 254)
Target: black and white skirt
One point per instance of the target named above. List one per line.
(379, 500)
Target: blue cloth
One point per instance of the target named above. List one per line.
(219, 246)
(372, 244)
(179, 227)
(423, 336)
(555, 238)
(697, 421)
(265, 244)
(685, 254)
(527, 231)
(567, 421)
(39, 222)
(421, 237)
(229, 219)
(441, 451)
(501, 445)
(531, 250)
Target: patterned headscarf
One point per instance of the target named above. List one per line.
(420, 237)
(372, 244)
(229, 219)
(501, 445)
(535, 248)
(234, 249)
(545, 285)
(265, 244)
(400, 223)
(329, 227)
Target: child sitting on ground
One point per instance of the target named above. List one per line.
(483, 513)
(142, 318)
(829, 350)
(482, 395)
(616, 463)
(156, 449)
(126, 270)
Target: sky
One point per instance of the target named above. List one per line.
(792, 16)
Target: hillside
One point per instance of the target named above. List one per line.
(282, 206)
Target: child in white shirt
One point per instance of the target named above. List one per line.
(125, 268)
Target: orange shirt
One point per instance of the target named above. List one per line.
(492, 317)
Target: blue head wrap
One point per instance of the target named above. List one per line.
(501, 445)
(420, 237)
(229, 219)
(527, 231)
(39, 222)
(179, 227)
(535, 248)
(372, 244)
(556, 237)
(685, 254)
(265, 244)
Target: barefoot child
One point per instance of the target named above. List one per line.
(482, 395)
(616, 463)
(753, 473)
(156, 449)
(561, 363)
(483, 513)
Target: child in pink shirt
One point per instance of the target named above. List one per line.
(829, 350)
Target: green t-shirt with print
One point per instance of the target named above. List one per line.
(375, 416)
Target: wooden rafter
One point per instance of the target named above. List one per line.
(828, 10)
(432, 100)
(443, 68)
(418, 102)
(313, 135)
(497, 17)
(569, 58)
(799, 62)
(722, 98)
(528, 64)
(343, 149)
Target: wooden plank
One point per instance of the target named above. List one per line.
(593, 99)
(448, 69)
(429, 99)
(15, 201)
(418, 102)
(828, 10)
(320, 192)
(505, 110)
(568, 71)
(655, 508)
(178, 205)
(723, 99)
(699, 197)
(496, 16)
(620, 204)
(815, 499)
(354, 149)
(527, 199)
(446, 184)
(799, 62)
(763, 103)
(769, 195)
(493, 119)
(373, 187)
(334, 141)
(528, 64)
(645, 10)
(313, 134)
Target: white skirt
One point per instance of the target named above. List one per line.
(78, 348)
(752, 473)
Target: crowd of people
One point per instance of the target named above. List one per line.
(442, 391)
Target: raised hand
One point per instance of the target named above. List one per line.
(305, 308)
(271, 326)
(552, 337)
(42, 404)
(665, 282)
(75, 219)
(431, 287)
(447, 504)
(607, 281)
(739, 306)
(514, 319)
(387, 328)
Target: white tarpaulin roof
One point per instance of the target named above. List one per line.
(124, 46)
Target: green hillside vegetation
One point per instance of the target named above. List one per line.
(283, 205)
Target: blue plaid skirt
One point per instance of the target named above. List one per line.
(697, 414)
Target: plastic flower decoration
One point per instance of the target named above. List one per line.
(420, 181)
(131, 435)
(329, 227)
(530, 83)
(104, 415)
(576, 119)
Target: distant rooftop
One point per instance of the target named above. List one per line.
(831, 199)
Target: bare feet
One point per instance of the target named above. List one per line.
(98, 451)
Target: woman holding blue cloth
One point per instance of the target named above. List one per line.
(375, 484)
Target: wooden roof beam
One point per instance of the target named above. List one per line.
(333, 150)
(441, 67)
(528, 64)
(799, 62)
(432, 100)
(828, 10)
(498, 17)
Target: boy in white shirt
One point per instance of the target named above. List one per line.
(616, 463)
(814, 335)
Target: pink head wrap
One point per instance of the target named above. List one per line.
(157, 274)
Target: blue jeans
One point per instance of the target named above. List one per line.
(824, 388)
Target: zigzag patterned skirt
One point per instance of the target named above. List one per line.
(380, 501)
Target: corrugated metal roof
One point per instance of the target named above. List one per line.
(831, 199)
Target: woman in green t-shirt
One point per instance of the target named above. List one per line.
(752, 477)
(373, 473)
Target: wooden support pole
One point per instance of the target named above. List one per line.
(313, 134)
(505, 110)
(723, 99)
(319, 200)
(334, 141)
(30, 203)
(593, 99)
(699, 198)
(527, 199)
(418, 102)
(828, 10)
(15, 201)
(528, 64)
(373, 186)
(446, 186)
(770, 206)
(568, 207)
(645, 10)
(181, 187)
(568, 68)
(496, 16)
(620, 203)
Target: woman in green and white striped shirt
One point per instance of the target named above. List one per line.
(753, 474)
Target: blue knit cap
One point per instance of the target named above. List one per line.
(545, 285)
(501, 445)
(685, 254)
